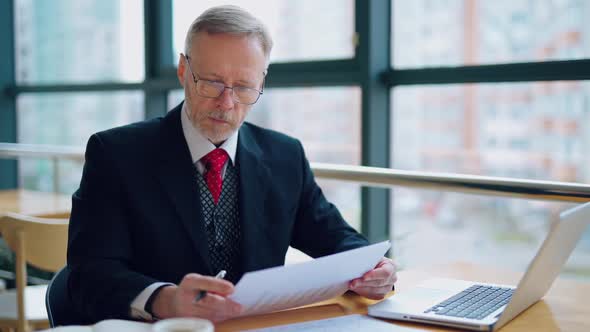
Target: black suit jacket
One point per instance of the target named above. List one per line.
(136, 218)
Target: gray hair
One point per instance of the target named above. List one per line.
(232, 20)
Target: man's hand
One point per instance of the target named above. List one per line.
(179, 301)
(376, 283)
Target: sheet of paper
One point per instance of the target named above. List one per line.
(350, 323)
(295, 285)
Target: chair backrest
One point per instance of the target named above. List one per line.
(41, 242)
(60, 308)
(44, 240)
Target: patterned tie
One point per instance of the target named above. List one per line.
(214, 162)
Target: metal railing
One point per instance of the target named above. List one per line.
(372, 176)
(462, 183)
(51, 152)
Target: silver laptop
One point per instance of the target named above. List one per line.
(483, 306)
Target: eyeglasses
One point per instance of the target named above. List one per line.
(214, 89)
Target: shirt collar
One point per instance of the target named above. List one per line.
(199, 145)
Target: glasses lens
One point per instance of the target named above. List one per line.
(241, 95)
(209, 89)
(246, 95)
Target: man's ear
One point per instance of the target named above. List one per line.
(180, 71)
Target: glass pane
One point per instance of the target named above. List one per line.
(68, 119)
(537, 130)
(488, 231)
(302, 30)
(71, 41)
(174, 98)
(427, 33)
(534, 130)
(303, 113)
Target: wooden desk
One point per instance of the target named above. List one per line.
(564, 308)
(35, 203)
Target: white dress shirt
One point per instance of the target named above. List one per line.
(198, 146)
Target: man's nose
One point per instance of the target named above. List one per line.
(226, 99)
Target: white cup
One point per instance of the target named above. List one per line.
(183, 325)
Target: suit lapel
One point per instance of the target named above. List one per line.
(177, 174)
(254, 177)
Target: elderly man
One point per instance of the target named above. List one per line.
(165, 204)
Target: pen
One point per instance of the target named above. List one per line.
(203, 293)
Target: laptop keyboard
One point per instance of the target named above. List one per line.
(476, 302)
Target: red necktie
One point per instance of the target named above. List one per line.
(214, 162)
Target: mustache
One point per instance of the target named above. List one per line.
(220, 115)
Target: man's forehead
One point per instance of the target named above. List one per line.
(240, 56)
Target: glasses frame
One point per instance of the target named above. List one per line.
(196, 79)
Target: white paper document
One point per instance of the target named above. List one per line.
(295, 285)
(351, 323)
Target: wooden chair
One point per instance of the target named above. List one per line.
(40, 242)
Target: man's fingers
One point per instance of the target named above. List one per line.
(215, 305)
(216, 308)
(370, 283)
(388, 280)
(376, 283)
(375, 278)
(197, 282)
(383, 270)
(220, 304)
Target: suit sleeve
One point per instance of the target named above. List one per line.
(319, 228)
(102, 284)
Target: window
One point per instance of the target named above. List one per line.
(539, 128)
(301, 30)
(68, 119)
(542, 140)
(70, 41)
(465, 32)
